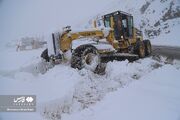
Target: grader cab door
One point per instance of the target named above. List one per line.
(122, 24)
(127, 26)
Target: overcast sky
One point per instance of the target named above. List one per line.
(20, 18)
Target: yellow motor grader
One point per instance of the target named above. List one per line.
(118, 31)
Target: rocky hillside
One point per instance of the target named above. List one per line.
(159, 16)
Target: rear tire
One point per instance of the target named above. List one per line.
(86, 56)
(148, 48)
(140, 49)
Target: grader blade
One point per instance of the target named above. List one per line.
(118, 56)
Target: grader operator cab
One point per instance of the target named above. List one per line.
(122, 23)
(118, 31)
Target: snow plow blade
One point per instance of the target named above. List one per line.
(118, 56)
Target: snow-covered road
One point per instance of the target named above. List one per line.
(168, 51)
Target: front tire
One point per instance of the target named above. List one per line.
(85, 56)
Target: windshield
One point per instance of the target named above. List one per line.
(107, 22)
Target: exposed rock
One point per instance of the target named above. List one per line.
(144, 7)
(171, 14)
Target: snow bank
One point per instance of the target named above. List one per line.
(12, 60)
(154, 96)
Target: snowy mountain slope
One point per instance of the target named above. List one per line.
(163, 22)
(158, 19)
(161, 19)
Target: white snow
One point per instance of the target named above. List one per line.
(171, 39)
(144, 89)
(101, 44)
(63, 90)
(154, 96)
(13, 60)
